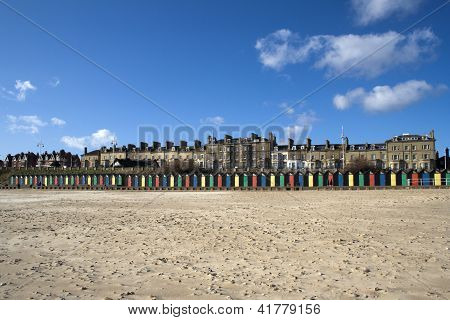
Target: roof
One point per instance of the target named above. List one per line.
(93, 153)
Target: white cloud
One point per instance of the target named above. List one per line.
(284, 47)
(27, 124)
(54, 82)
(74, 142)
(342, 102)
(57, 122)
(368, 11)
(22, 87)
(217, 120)
(21, 91)
(102, 137)
(335, 54)
(386, 98)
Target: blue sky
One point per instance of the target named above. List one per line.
(222, 63)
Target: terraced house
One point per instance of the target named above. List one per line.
(406, 151)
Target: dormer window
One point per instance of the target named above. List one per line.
(352, 148)
(173, 148)
(275, 148)
(294, 148)
(302, 147)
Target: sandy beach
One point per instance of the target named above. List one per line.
(382, 244)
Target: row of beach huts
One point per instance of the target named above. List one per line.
(288, 181)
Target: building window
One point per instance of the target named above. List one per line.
(406, 157)
(322, 157)
(394, 157)
(374, 157)
(414, 156)
(425, 156)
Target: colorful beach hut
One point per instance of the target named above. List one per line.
(272, 180)
(218, 180)
(299, 179)
(291, 180)
(310, 180)
(349, 179)
(236, 182)
(262, 180)
(329, 179)
(338, 179)
(437, 178)
(227, 181)
(425, 178)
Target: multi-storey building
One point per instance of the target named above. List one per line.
(21, 160)
(59, 159)
(406, 151)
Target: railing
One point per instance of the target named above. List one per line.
(428, 182)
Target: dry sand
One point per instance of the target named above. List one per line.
(391, 244)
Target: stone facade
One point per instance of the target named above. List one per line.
(407, 151)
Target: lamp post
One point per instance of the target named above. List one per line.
(40, 145)
(114, 144)
(343, 147)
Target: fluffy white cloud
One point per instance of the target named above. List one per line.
(102, 137)
(27, 124)
(336, 54)
(386, 98)
(217, 120)
(21, 90)
(22, 87)
(284, 47)
(57, 122)
(74, 142)
(368, 11)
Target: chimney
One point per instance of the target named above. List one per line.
(327, 144)
(183, 143)
(197, 144)
(85, 150)
(254, 136)
(308, 143)
(131, 147)
(156, 144)
(290, 143)
(169, 145)
(209, 140)
(432, 134)
(446, 153)
(144, 146)
(227, 137)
